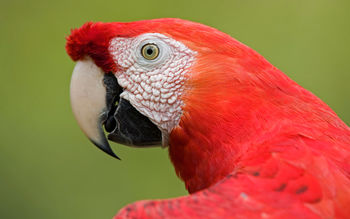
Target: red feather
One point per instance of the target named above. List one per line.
(251, 143)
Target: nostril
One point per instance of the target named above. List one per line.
(110, 124)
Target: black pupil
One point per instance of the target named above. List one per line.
(149, 51)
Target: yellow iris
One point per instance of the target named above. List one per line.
(150, 51)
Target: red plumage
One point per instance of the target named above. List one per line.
(251, 143)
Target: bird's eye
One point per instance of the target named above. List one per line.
(150, 51)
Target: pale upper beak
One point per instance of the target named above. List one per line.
(96, 103)
(88, 101)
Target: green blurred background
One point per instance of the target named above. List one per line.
(48, 169)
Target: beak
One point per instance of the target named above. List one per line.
(88, 101)
(96, 103)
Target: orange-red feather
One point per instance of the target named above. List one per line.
(251, 143)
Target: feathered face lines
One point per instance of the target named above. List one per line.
(153, 80)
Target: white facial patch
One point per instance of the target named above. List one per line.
(153, 87)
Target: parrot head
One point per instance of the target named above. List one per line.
(130, 78)
(128, 81)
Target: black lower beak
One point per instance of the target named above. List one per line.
(124, 124)
(131, 127)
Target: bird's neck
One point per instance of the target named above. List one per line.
(236, 104)
(207, 144)
(214, 135)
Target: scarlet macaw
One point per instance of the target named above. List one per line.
(247, 141)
